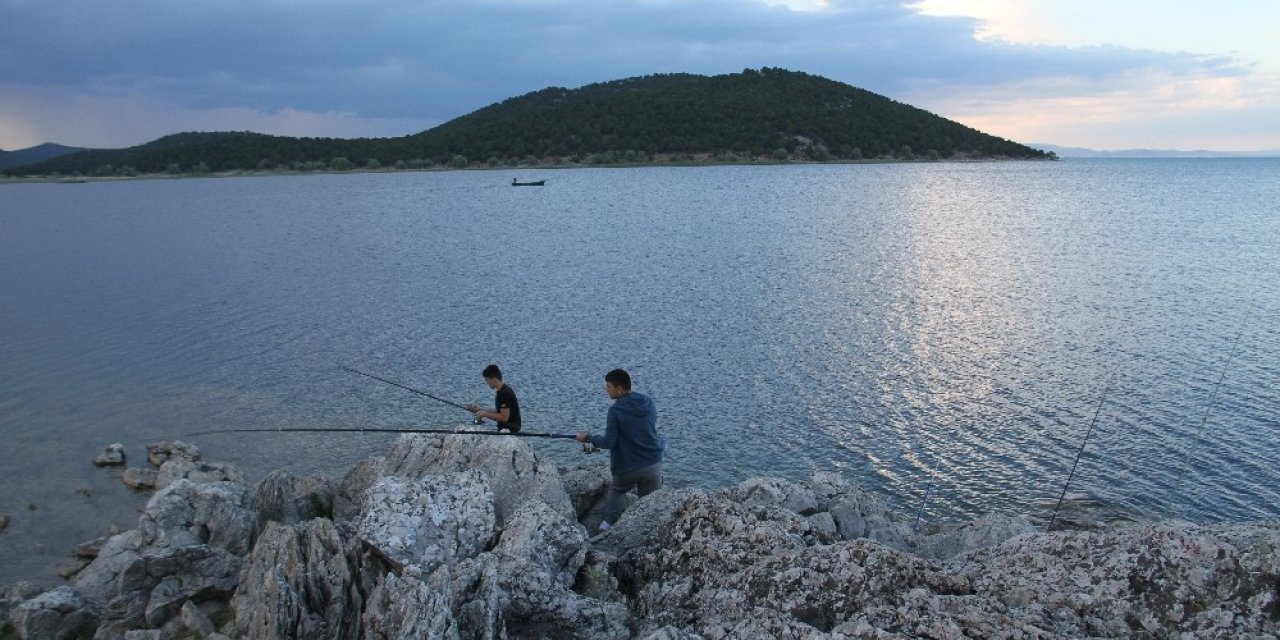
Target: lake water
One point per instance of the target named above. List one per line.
(948, 330)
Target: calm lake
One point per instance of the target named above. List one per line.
(949, 330)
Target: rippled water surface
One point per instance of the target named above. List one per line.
(939, 330)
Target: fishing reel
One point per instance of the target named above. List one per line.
(587, 447)
(476, 420)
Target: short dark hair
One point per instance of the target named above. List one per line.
(619, 378)
(492, 371)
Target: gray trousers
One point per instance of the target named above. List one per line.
(645, 481)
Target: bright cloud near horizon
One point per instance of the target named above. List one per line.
(1166, 74)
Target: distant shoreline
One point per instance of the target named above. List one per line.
(63, 179)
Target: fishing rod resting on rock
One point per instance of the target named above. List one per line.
(520, 434)
(586, 447)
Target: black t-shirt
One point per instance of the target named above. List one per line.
(506, 398)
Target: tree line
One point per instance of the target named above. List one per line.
(765, 115)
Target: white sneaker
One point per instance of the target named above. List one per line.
(605, 526)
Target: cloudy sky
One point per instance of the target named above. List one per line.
(1105, 74)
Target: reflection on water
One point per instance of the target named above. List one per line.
(926, 329)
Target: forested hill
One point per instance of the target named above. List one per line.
(33, 154)
(765, 115)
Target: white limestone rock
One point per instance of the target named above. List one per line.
(418, 525)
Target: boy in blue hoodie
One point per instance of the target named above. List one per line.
(635, 448)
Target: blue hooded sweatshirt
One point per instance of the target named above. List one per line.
(631, 434)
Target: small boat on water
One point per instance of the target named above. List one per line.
(536, 183)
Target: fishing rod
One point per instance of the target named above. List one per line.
(1177, 486)
(417, 391)
(520, 434)
(933, 476)
(1081, 451)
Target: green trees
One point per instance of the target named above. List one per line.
(750, 116)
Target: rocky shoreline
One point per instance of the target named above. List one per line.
(470, 537)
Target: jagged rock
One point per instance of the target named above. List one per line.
(717, 567)
(462, 600)
(146, 634)
(182, 468)
(138, 478)
(195, 620)
(516, 473)
(298, 583)
(418, 525)
(161, 452)
(586, 485)
(403, 608)
(858, 514)
(481, 540)
(285, 498)
(13, 595)
(90, 549)
(187, 546)
(824, 527)
(186, 513)
(777, 492)
(953, 540)
(639, 525)
(135, 585)
(113, 456)
(349, 501)
(59, 613)
(478, 598)
(539, 555)
(672, 633)
(74, 568)
(1157, 580)
(827, 485)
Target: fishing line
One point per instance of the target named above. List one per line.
(1177, 485)
(397, 384)
(1089, 432)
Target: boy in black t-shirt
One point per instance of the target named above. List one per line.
(506, 407)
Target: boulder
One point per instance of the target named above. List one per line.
(182, 468)
(90, 550)
(1158, 580)
(640, 525)
(459, 600)
(113, 456)
(859, 514)
(418, 525)
(721, 569)
(140, 479)
(13, 595)
(135, 585)
(188, 546)
(586, 485)
(298, 583)
(285, 498)
(58, 613)
(349, 501)
(947, 541)
(161, 452)
(516, 473)
(827, 485)
(186, 513)
(539, 555)
(777, 492)
(403, 608)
